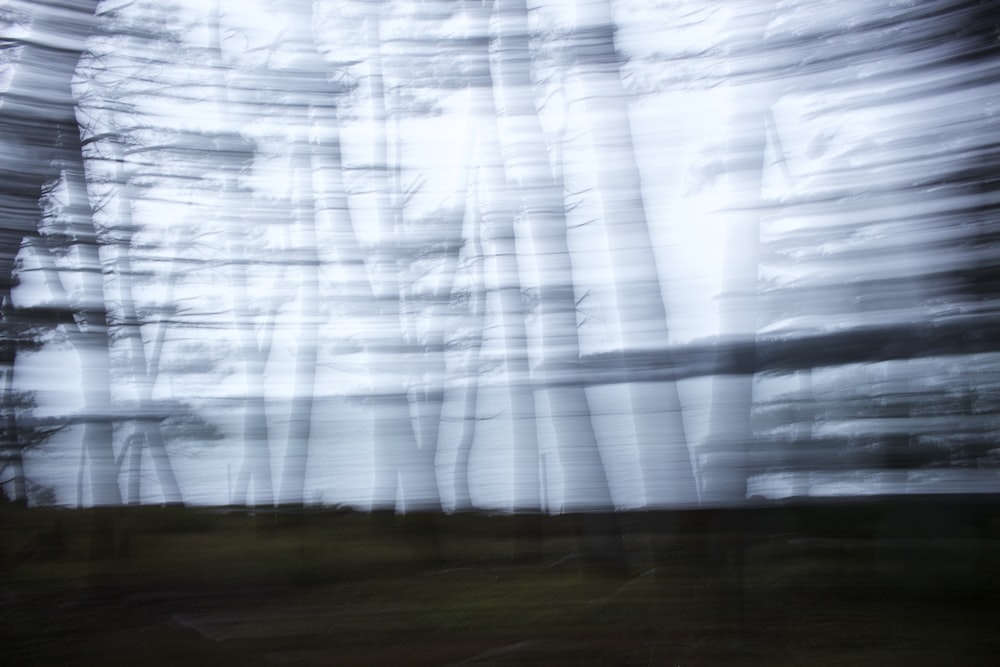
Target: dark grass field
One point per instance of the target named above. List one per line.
(854, 582)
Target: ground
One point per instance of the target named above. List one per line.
(869, 583)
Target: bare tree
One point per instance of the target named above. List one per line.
(542, 226)
(49, 163)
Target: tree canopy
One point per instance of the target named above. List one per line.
(456, 254)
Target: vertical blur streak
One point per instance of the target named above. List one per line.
(143, 368)
(544, 226)
(402, 467)
(730, 436)
(306, 82)
(496, 212)
(55, 145)
(91, 340)
(11, 442)
(256, 350)
(499, 210)
(255, 346)
(653, 408)
(28, 148)
(428, 396)
(293, 476)
(461, 389)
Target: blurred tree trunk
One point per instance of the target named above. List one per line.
(50, 152)
(654, 407)
(304, 88)
(499, 211)
(401, 463)
(12, 454)
(91, 335)
(468, 394)
(255, 339)
(462, 394)
(40, 137)
(144, 367)
(293, 476)
(256, 350)
(730, 437)
(559, 388)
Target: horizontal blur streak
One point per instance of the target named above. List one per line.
(453, 256)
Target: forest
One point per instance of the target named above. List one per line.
(455, 332)
(462, 255)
